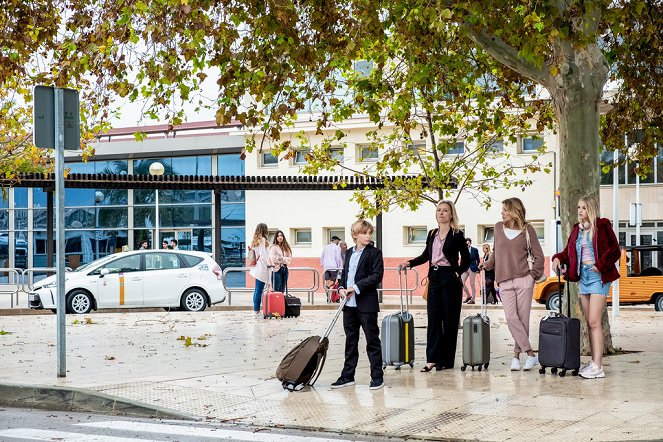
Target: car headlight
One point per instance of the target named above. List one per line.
(50, 285)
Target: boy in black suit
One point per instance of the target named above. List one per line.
(362, 272)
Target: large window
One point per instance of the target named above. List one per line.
(626, 170)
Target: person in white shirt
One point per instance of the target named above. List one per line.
(331, 261)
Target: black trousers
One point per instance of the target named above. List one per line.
(353, 320)
(444, 303)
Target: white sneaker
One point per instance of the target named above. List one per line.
(584, 366)
(593, 371)
(259, 316)
(531, 362)
(515, 364)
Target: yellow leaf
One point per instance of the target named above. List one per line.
(554, 70)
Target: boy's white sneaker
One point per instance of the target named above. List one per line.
(531, 362)
(593, 371)
(515, 364)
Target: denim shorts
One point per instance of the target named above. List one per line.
(590, 282)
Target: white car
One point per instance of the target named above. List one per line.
(176, 279)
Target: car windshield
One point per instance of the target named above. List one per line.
(91, 264)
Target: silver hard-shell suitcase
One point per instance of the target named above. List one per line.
(476, 334)
(397, 333)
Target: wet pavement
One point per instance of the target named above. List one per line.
(226, 374)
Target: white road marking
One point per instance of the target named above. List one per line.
(217, 433)
(52, 435)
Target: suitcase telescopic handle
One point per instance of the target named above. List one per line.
(482, 281)
(334, 319)
(402, 271)
(566, 290)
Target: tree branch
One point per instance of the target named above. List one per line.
(505, 54)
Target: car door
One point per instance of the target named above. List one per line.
(123, 285)
(165, 278)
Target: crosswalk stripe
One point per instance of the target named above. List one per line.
(218, 433)
(51, 435)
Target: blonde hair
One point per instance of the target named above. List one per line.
(454, 215)
(516, 209)
(361, 226)
(484, 247)
(593, 207)
(261, 232)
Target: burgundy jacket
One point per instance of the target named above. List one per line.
(606, 252)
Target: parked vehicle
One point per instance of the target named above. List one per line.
(175, 279)
(637, 285)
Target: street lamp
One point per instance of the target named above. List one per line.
(156, 169)
(98, 199)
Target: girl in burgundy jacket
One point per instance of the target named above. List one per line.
(591, 254)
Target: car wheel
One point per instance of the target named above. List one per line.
(552, 303)
(79, 302)
(194, 300)
(658, 303)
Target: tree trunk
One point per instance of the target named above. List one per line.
(576, 93)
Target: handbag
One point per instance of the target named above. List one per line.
(530, 259)
(251, 258)
(424, 284)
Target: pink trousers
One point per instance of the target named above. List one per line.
(516, 297)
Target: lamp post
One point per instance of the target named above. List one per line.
(156, 169)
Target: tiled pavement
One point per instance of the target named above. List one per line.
(228, 375)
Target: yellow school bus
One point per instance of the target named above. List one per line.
(637, 285)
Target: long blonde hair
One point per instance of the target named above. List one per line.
(261, 232)
(593, 207)
(454, 215)
(516, 209)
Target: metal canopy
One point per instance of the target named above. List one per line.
(197, 182)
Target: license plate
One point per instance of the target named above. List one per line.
(33, 297)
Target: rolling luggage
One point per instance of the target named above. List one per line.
(559, 340)
(303, 364)
(476, 334)
(273, 303)
(293, 305)
(397, 333)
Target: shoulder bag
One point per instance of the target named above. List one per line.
(530, 257)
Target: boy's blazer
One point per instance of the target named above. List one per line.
(367, 278)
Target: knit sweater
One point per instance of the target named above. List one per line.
(509, 258)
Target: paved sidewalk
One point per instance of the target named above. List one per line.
(228, 375)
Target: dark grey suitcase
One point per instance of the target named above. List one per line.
(476, 334)
(397, 333)
(559, 341)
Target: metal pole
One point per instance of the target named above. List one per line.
(615, 224)
(59, 232)
(638, 211)
(157, 241)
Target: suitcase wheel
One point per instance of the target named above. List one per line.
(384, 366)
(553, 370)
(574, 372)
(562, 373)
(542, 370)
(477, 368)
(398, 367)
(412, 364)
(486, 366)
(463, 368)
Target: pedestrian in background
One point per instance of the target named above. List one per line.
(361, 275)
(164, 245)
(331, 261)
(448, 258)
(591, 253)
(143, 245)
(471, 273)
(280, 255)
(344, 251)
(513, 276)
(260, 270)
(489, 277)
(173, 244)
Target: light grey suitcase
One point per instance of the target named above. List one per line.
(397, 333)
(476, 335)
